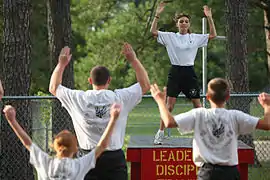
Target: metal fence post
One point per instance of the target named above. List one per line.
(204, 61)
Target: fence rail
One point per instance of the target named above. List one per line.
(43, 116)
(144, 96)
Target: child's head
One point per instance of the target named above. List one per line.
(65, 144)
(218, 91)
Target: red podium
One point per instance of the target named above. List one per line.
(173, 159)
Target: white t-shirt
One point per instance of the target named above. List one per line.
(182, 49)
(90, 112)
(215, 133)
(51, 168)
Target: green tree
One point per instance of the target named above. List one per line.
(237, 61)
(263, 6)
(127, 23)
(41, 64)
(59, 35)
(111, 22)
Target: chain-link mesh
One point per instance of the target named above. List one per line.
(41, 118)
(44, 117)
(14, 157)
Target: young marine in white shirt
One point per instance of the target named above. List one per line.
(90, 115)
(182, 49)
(62, 166)
(216, 130)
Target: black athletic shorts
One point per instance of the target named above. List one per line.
(111, 165)
(217, 172)
(183, 79)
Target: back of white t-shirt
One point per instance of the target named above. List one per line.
(216, 132)
(90, 112)
(49, 168)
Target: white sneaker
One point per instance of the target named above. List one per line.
(159, 137)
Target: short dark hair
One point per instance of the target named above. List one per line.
(218, 90)
(180, 15)
(99, 75)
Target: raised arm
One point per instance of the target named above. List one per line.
(141, 74)
(1, 90)
(264, 100)
(105, 138)
(160, 98)
(159, 10)
(212, 28)
(56, 78)
(10, 114)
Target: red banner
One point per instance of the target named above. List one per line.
(168, 164)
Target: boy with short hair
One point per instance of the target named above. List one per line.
(90, 115)
(216, 129)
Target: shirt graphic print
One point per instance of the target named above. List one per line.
(101, 111)
(216, 133)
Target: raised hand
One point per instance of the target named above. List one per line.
(115, 111)
(207, 11)
(10, 112)
(264, 100)
(129, 52)
(65, 56)
(160, 8)
(157, 94)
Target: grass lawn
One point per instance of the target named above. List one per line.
(144, 120)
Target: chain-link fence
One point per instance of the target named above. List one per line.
(43, 117)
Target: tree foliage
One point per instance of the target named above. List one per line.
(104, 26)
(100, 26)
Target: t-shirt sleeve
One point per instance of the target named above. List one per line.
(38, 158)
(130, 96)
(164, 38)
(201, 39)
(87, 162)
(185, 121)
(246, 123)
(66, 96)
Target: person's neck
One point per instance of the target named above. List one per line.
(60, 156)
(182, 32)
(214, 105)
(100, 87)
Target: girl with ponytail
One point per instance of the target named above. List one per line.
(63, 165)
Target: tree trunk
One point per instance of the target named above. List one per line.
(59, 35)
(237, 62)
(236, 31)
(16, 81)
(267, 39)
